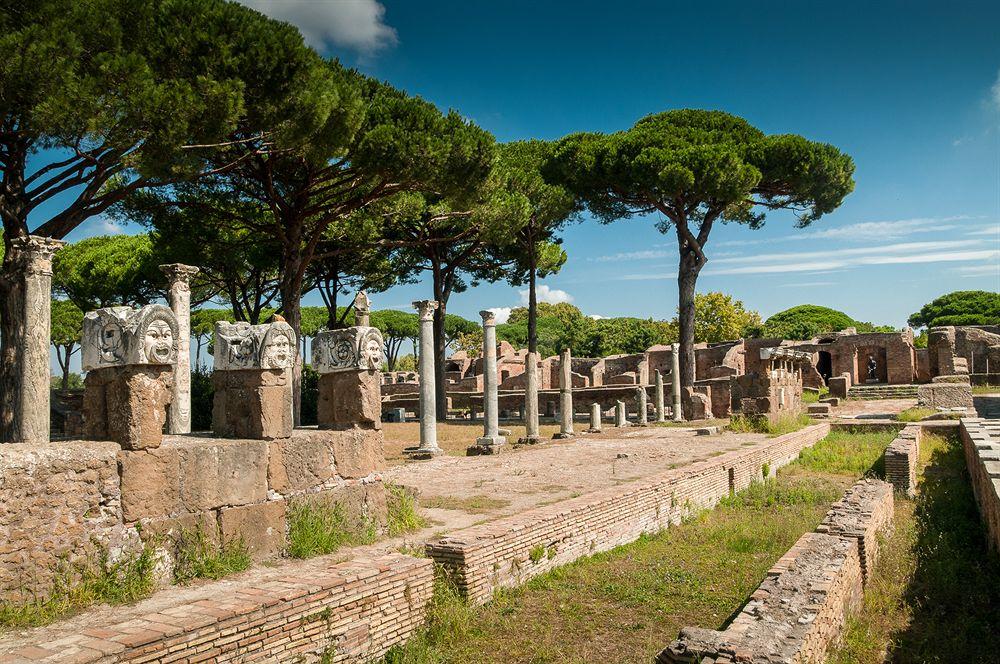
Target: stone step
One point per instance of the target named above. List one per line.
(871, 392)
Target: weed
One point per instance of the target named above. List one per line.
(197, 557)
(915, 414)
(845, 452)
(403, 516)
(785, 423)
(536, 553)
(318, 528)
(986, 389)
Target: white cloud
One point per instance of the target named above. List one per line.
(548, 295)
(989, 230)
(995, 92)
(502, 314)
(634, 256)
(597, 316)
(864, 231)
(807, 284)
(355, 24)
(985, 270)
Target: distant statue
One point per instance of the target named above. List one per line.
(872, 367)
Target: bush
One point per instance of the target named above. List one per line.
(808, 321)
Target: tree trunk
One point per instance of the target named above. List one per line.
(291, 306)
(12, 332)
(532, 300)
(440, 346)
(687, 279)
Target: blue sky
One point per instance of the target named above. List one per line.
(910, 90)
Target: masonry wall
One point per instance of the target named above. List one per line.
(901, 459)
(64, 505)
(509, 551)
(981, 442)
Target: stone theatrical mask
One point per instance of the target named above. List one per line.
(350, 349)
(122, 336)
(245, 346)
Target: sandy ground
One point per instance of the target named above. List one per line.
(458, 491)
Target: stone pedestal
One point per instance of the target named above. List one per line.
(661, 415)
(252, 403)
(595, 418)
(179, 278)
(491, 440)
(428, 405)
(620, 419)
(675, 381)
(640, 406)
(348, 399)
(30, 404)
(128, 404)
(565, 395)
(531, 436)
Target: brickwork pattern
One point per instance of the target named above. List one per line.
(509, 551)
(981, 443)
(901, 459)
(802, 604)
(308, 612)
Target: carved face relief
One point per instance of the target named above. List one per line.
(158, 344)
(277, 354)
(372, 353)
(112, 343)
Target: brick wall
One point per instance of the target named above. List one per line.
(981, 442)
(311, 611)
(802, 604)
(901, 459)
(509, 551)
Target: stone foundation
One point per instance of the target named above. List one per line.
(128, 404)
(946, 394)
(981, 442)
(252, 403)
(499, 554)
(802, 605)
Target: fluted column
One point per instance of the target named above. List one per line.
(179, 278)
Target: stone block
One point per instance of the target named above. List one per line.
(818, 409)
(696, 406)
(358, 452)
(167, 531)
(838, 386)
(301, 462)
(127, 404)
(221, 473)
(962, 379)
(252, 404)
(150, 483)
(261, 527)
(360, 503)
(348, 399)
(945, 395)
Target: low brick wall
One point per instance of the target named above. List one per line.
(901, 459)
(801, 606)
(509, 551)
(66, 504)
(981, 442)
(309, 611)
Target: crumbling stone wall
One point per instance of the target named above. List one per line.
(901, 458)
(771, 394)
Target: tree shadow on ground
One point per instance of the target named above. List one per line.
(955, 589)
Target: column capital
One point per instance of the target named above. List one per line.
(426, 308)
(489, 318)
(179, 272)
(36, 252)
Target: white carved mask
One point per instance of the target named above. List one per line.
(158, 343)
(277, 353)
(112, 343)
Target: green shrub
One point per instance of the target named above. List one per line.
(319, 528)
(200, 558)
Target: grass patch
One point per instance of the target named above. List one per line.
(197, 557)
(786, 423)
(934, 595)
(844, 452)
(403, 516)
(986, 389)
(626, 604)
(75, 587)
(316, 528)
(472, 504)
(915, 414)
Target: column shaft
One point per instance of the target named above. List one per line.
(565, 394)
(675, 381)
(179, 277)
(428, 408)
(660, 409)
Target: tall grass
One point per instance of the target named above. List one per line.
(198, 557)
(785, 423)
(402, 515)
(316, 528)
(843, 452)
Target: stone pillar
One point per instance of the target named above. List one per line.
(640, 406)
(595, 418)
(34, 375)
(620, 420)
(675, 381)
(179, 277)
(491, 440)
(428, 407)
(565, 395)
(660, 408)
(531, 436)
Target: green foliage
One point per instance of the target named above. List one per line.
(74, 381)
(612, 336)
(847, 453)
(67, 323)
(402, 510)
(75, 587)
(318, 527)
(915, 414)
(807, 321)
(197, 557)
(406, 362)
(959, 308)
(786, 423)
(536, 553)
(202, 396)
(108, 270)
(310, 395)
(719, 317)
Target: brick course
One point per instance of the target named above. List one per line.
(981, 442)
(500, 553)
(901, 459)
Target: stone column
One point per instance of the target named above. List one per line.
(491, 440)
(531, 436)
(660, 409)
(675, 381)
(179, 277)
(34, 375)
(620, 420)
(640, 405)
(595, 418)
(428, 408)
(565, 395)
